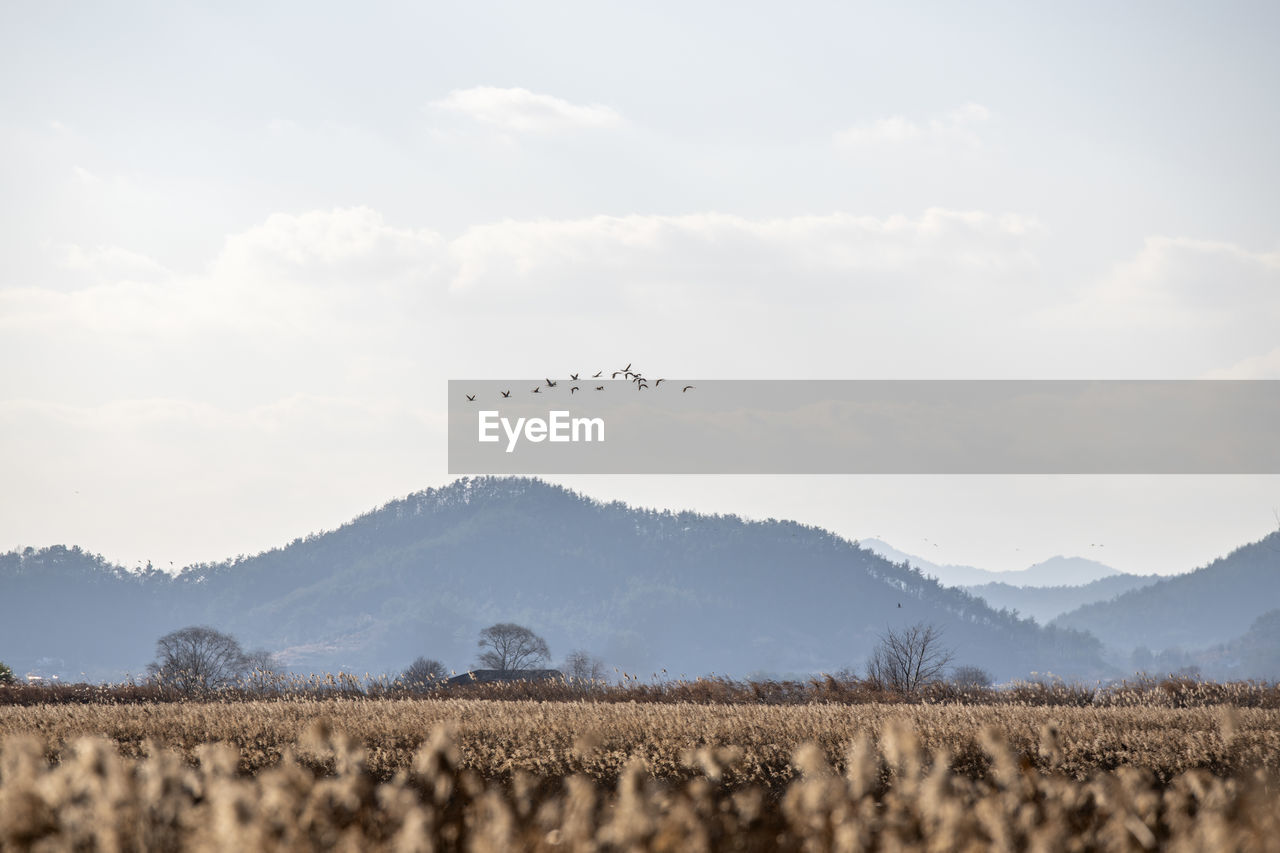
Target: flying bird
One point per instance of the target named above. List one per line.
(471, 397)
(537, 389)
(628, 367)
(574, 388)
(615, 373)
(506, 393)
(550, 384)
(599, 387)
(659, 382)
(597, 376)
(573, 376)
(685, 388)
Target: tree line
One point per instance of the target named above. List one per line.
(199, 658)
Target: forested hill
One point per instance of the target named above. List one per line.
(1044, 603)
(1211, 605)
(643, 590)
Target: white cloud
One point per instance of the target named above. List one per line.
(110, 263)
(351, 245)
(836, 257)
(519, 110)
(1175, 282)
(336, 300)
(955, 126)
(1264, 366)
(1177, 308)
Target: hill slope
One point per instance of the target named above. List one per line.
(644, 590)
(1055, 571)
(1255, 654)
(1208, 606)
(1044, 603)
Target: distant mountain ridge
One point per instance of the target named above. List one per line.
(1211, 605)
(1046, 603)
(1055, 571)
(422, 575)
(1254, 654)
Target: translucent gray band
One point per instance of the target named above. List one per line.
(865, 427)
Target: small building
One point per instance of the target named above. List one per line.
(493, 676)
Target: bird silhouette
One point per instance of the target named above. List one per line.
(899, 605)
(506, 393)
(599, 387)
(550, 384)
(615, 373)
(537, 389)
(471, 397)
(597, 375)
(574, 388)
(573, 376)
(628, 367)
(686, 388)
(659, 382)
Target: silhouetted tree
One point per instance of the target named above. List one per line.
(198, 658)
(583, 666)
(423, 673)
(510, 646)
(261, 669)
(909, 657)
(261, 660)
(968, 677)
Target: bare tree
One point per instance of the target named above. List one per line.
(423, 674)
(909, 657)
(261, 660)
(583, 666)
(262, 670)
(970, 677)
(509, 646)
(198, 658)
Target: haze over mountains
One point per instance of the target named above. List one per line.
(1055, 571)
(1046, 603)
(1219, 620)
(421, 576)
(1211, 605)
(644, 590)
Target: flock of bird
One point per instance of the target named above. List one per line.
(634, 376)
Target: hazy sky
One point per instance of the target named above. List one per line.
(243, 250)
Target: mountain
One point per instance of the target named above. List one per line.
(423, 575)
(1196, 610)
(69, 613)
(1255, 654)
(1044, 603)
(1055, 571)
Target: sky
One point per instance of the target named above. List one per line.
(245, 246)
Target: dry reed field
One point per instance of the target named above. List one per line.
(495, 774)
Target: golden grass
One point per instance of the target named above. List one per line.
(546, 738)
(546, 776)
